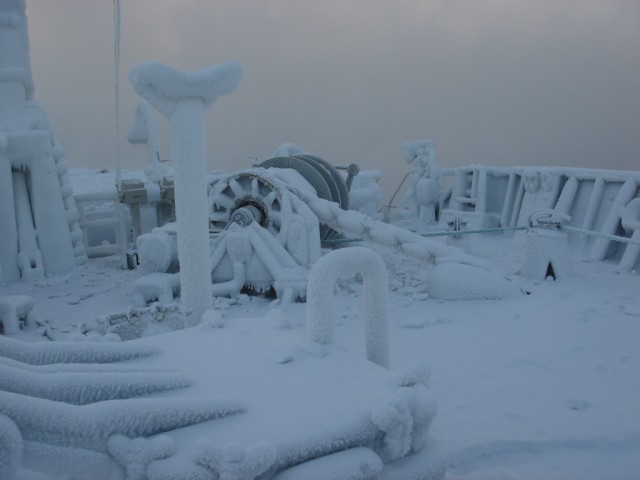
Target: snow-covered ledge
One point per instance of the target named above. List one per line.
(182, 98)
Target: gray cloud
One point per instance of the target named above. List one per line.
(499, 82)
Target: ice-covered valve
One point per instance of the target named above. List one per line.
(182, 98)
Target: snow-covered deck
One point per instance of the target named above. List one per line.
(545, 385)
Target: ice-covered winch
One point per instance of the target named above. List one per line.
(264, 237)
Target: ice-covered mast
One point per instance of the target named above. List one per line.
(183, 98)
(39, 230)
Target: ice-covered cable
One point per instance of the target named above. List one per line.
(72, 352)
(362, 226)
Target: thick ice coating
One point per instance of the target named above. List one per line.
(163, 86)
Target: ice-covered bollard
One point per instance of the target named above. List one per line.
(182, 98)
(320, 316)
(547, 249)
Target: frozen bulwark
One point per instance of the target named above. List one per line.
(296, 407)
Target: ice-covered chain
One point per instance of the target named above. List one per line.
(361, 226)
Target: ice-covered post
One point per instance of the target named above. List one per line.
(183, 98)
(547, 251)
(343, 263)
(144, 130)
(423, 194)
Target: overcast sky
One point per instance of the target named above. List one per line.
(498, 82)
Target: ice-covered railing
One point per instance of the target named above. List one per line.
(505, 197)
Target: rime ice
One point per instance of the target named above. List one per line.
(182, 98)
(39, 230)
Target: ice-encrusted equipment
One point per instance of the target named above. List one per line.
(267, 226)
(264, 236)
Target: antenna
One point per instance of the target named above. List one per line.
(116, 51)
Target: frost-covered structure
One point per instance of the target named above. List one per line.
(547, 247)
(77, 409)
(365, 195)
(423, 195)
(14, 310)
(267, 236)
(630, 220)
(39, 230)
(600, 204)
(70, 409)
(182, 98)
(320, 313)
(267, 226)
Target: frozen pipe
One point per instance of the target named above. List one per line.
(122, 232)
(515, 215)
(595, 201)
(47, 205)
(182, 98)
(567, 196)
(630, 219)
(238, 246)
(311, 224)
(626, 193)
(8, 226)
(103, 250)
(29, 256)
(320, 315)
(481, 191)
(144, 130)
(110, 195)
(508, 201)
(631, 253)
(232, 287)
(277, 254)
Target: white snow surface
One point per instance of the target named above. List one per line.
(545, 385)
